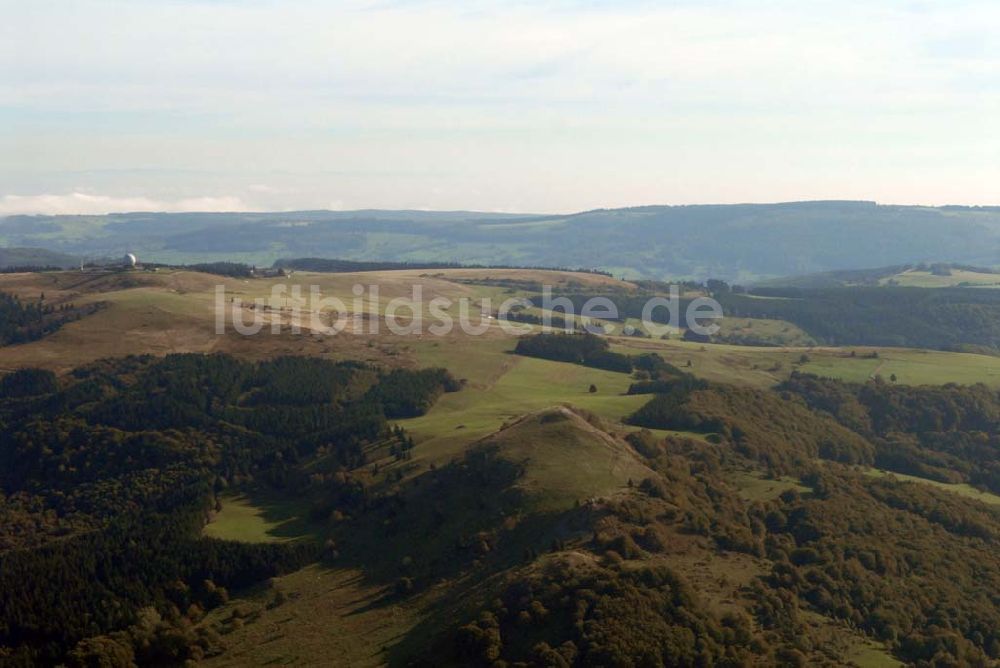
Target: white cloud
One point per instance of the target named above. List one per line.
(557, 105)
(90, 204)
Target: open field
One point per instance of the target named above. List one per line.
(911, 367)
(329, 617)
(258, 518)
(765, 366)
(771, 332)
(956, 278)
(174, 311)
(754, 486)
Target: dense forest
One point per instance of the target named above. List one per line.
(907, 563)
(108, 475)
(782, 434)
(941, 318)
(947, 433)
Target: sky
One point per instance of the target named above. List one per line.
(541, 107)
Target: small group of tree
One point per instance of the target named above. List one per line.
(519, 314)
(402, 444)
(230, 269)
(583, 348)
(22, 321)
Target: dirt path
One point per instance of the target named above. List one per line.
(877, 370)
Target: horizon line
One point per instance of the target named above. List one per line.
(497, 213)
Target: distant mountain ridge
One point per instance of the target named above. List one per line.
(738, 242)
(35, 257)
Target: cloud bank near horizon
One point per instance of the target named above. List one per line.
(78, 203)
(546, 107)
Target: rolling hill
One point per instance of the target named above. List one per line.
(743, 243)
(272, 499)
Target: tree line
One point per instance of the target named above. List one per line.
(23, 321)
(939, 318)
(578, 348)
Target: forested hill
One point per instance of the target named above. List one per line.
(106, 478)
(741, 242)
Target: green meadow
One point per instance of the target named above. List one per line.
(259, 518)
(911, 367)
(501, 386)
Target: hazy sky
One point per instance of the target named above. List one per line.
(515, 106)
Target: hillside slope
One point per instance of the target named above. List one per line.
(565, 458)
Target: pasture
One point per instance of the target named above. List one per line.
(259, 518)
